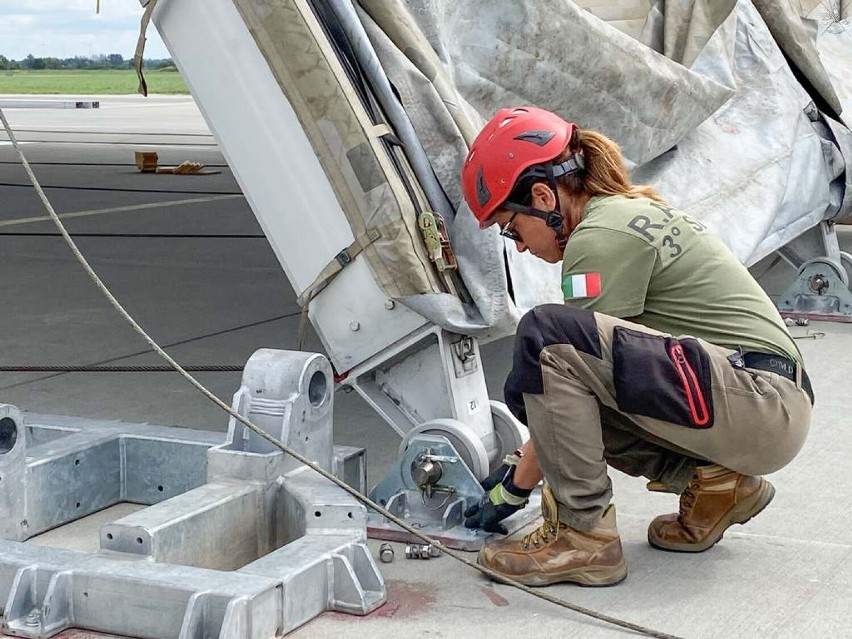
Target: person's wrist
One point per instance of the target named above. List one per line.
(514, 458)
(512, 498)
(511, 492)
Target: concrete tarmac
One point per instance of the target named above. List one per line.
(187, 258)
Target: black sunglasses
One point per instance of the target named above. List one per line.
(508, 232)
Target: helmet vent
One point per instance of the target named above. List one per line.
(482, 192)
(539, 138)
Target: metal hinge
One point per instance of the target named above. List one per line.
(464, 361)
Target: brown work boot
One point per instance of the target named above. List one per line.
(555, 552)
(715, 499)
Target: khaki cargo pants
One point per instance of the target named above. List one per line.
(596, 390)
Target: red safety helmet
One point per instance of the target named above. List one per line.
(514, 141)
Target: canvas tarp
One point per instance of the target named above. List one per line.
(717, 119)
(360, 166)
(725, 106)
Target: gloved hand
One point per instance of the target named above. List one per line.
(501, 500)
(509, 462)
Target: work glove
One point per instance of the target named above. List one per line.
(509, 463)
(502, 499)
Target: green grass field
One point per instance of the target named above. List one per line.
(89, 82)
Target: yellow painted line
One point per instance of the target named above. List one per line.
(121, 209)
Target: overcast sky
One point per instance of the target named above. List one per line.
(66, 28)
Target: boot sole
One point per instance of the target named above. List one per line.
(740, 514)
(590, 576)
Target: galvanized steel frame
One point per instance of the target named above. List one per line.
(239, 541)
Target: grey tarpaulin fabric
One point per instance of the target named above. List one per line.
(798, 45)
(688, 26)
(704, 104)
(834, 42)
(758, 171)
(368, 177)
(554, 54)
(627, 17)
(446, 124)
(719, 124)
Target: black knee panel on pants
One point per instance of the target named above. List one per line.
(541, 327)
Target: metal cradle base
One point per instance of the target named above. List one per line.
(239, 541)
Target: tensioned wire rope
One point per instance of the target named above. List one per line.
(649, 632)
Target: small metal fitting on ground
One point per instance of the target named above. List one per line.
(33, 619)
(386, 553)
(421, 551)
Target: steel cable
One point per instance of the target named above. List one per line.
(649, 632)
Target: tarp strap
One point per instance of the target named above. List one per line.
(332, 270)
(335, 266)
(140, 47)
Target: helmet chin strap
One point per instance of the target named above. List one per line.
(554, 219)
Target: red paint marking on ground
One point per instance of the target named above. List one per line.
(496, 598)
(386, 611)
(405, 599)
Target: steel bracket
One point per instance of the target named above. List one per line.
(819, 292)
(821, 288)
(438, 514)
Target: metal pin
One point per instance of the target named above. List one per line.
(811, 335)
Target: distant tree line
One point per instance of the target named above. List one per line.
(111, 61)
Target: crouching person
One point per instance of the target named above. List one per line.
(667, 361)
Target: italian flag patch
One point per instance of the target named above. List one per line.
(582, 285)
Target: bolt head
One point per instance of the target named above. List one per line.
(386, 553)
(354, 326)
(390, 305)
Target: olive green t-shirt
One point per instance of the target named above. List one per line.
(643, 260)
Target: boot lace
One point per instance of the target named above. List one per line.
(541, 535)
(687, 500)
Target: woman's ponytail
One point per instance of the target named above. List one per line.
(604, 173)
